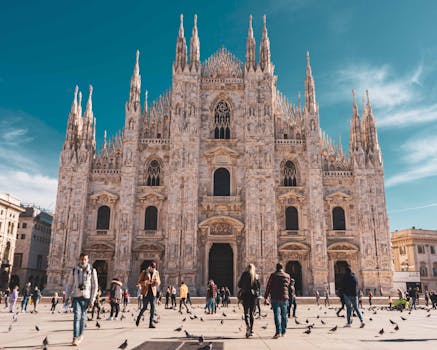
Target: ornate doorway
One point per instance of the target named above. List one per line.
(339, 271)
(221, 265)
(294, 269)
(101, 267)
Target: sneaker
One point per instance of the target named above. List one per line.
(276, 336)
(74, 342)
(152, 325)
(109, 318)
(348, 325)
(247, 334)
(79, 339)
(362, 325)
(137, 322)
(282, 334)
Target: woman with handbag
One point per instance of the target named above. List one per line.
(249, 291)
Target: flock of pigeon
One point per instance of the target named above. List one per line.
(319, 322)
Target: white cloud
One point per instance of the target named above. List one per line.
(29, 188)
(430, 205)
(420, 153)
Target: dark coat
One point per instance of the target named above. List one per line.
(349, 284)
(277, 286)
(248, 289)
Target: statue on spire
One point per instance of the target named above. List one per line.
(250, 48)
(264, 56)
(135, 84)
(195, 48)
(181, 48)
(310, 90)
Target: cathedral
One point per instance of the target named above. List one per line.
(220, 171)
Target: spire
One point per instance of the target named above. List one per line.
(135, 83)
(89, 106)
(250, 48)
(181, 48)
(355, 132)
(146, 101)
(104, 140)
(74, 104)
(264, 56)
(195, 47)
(371, 136)
(79, 104)
(310, 90)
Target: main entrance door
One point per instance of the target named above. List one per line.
(221, 265)
(294, 269)
(101, 267)
(339, 270)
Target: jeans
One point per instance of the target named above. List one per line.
(115, 308)
(292, 303)
(210, 304)
(149, 298)
(249, 310)
(80, 305)
(24, 303)
(280, 308)
(351, 301)
(183, 302)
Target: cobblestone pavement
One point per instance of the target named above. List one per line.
(225, 329)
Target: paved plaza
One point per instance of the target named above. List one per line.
(225, 329)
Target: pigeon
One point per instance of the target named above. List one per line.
(178, 329)
(37, 328)
(184, 319)
(381, 332)
(202, 319)
(224, 314)
(429, 315)
(121, 318)
(296, 321)
(333, 329)
(264, 327)
(188, 335)
(45, 342)
(201, 340)
(123, 345)
(221, 322)
(306, 321)
(308, 331)
(206, 347)
(318, 316)
(192, 317)
(10, 328)
(370, 319)
(323, 322)
(396, 328)
(403, 318)
(392, 322)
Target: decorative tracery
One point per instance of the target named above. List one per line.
(153, 173)
(222, 121)
(289, 174)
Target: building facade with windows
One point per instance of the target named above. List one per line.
(415, 250)
(32, 247)
(220, 171)
(10, 210)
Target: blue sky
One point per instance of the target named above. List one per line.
(388, 47)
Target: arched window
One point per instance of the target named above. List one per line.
(338, 219)
(289, 174)
(222, 121)
(103, 215)
(222, 182)
(7, 250)
(151, 218)
(153, 172)
(291, 219)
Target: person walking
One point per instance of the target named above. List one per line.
(277, 289)
(317, 294)
(13, 297)
(426, 298)
(54, 302)
(36, 297)
(360, 299)
(125, 299)
(370, 295)
(149, 281)
(167, 296)
(183, 294)
(97, 306)
(26, 292)
(82, 288)
(173, 297)
(349, 288)
(249, 291)
(211, 294)
(115, 297)
(227, 296)
(326, 292)
(292, 298)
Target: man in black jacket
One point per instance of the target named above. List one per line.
(350, 295)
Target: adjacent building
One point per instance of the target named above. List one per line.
(219, 171)
(415, 258)
(10, 210)
(32, 247)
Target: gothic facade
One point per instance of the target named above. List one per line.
(220, 171)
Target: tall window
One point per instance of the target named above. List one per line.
(7, 250)
(222, 121)
(432, 249)
(151, 218)
(153, 172)
(423, 270)
(434, 269)
(289, 174)
(103, 215)
(338, 219)
(222, 182)
(421, 249)
(291, 219)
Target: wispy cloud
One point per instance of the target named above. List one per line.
(413, 208)
(28, 158)
(399, 100)
(420, 156)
